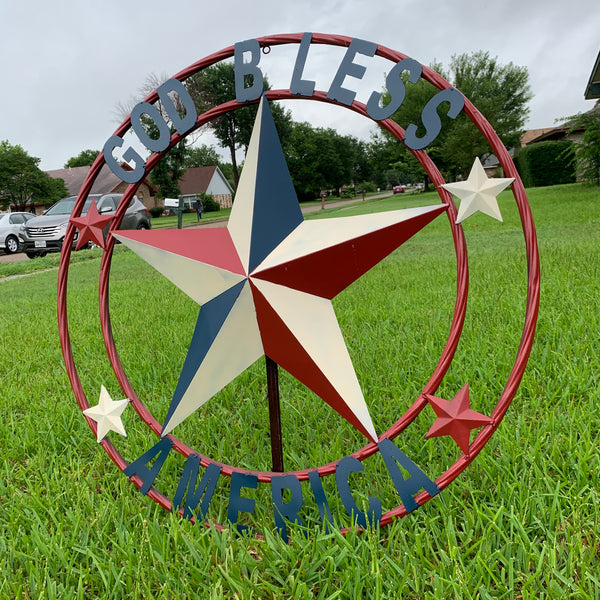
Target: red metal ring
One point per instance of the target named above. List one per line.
(445, 360)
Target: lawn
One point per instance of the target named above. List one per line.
(523, 521)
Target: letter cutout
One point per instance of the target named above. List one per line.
(302, 87)
(164, 133)
(283, 510)
(205, 488)
(320, 499)
(347, 465)
(347, 67)
(138, 467)
(407, 488)
(237, 502)
(431, 119)
(396, 88)
(181, 124)
(125, 175)
(241, 69)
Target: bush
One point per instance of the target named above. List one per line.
(156, 211)
(366, 186)
(209, 203)
(546, 163)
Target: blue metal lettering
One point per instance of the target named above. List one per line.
(181, 123)
(283, 510)
(347, 465)
(302, 87)
(348, 68)
(139, 468)
(126, 175)
(431, 119)
(407, 488)
(250, 69)
(396, 88)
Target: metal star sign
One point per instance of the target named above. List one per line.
(107, 414)
(90, 227)
(266, 282)
(478, 193)
(455, 418)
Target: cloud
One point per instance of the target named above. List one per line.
(71, 63)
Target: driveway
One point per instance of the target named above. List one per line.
(10, 258)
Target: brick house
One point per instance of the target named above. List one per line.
(106, 183)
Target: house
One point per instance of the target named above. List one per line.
(209, 180)
(563, 131)
(593, 87)
(106, 183)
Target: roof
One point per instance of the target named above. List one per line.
(196, 180)
(74, 177)
(558, 133)
(532, 134)
(105, 183)
(593, 87)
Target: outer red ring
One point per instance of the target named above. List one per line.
(533, 289)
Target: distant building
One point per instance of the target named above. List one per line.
(592, 90)
(106, 183)
(209, 180)
(561, 132)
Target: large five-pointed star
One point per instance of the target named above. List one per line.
(266, 282)
(478, 192)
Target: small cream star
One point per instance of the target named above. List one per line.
(478, 193)
(107, 414)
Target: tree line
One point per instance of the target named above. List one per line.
(320, 159)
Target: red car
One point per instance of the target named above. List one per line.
(398, 189)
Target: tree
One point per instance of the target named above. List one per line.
(21, 180)
(500, 92)
(587, 150)
(321, 159)
(216, 85)
(84, 159)
(201, 156)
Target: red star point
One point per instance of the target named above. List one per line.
(455, 418)
(90, 227)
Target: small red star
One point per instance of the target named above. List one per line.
(455, 418)
(90, 227)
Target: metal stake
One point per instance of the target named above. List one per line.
(274, 415)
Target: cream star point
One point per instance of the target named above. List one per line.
(107, 414)
(478, 193)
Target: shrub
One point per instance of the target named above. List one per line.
(209, 203)
(156, 211)
(546, 163)
(366, 186)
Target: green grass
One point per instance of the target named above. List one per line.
(521, 522)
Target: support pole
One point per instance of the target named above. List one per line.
(274, 415)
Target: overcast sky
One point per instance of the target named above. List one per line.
(67, 64)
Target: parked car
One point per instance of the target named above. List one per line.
(45, 233)
(11, 225)
(398, 189)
